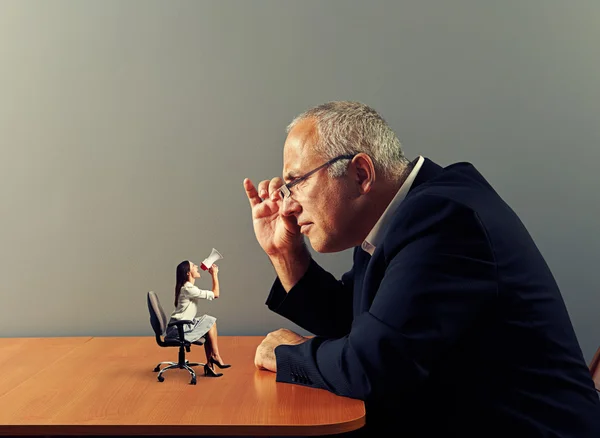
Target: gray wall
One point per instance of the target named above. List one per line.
(127, 128)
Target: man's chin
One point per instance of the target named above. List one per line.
(323, 246)
(317, 244)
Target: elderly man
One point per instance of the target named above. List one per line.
(449, 322)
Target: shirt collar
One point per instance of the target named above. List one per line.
(378, 231)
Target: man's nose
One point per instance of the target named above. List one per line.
(290, 206)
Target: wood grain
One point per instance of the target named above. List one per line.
(106, 386)
(22, 358)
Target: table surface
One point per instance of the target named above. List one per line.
(106, 386)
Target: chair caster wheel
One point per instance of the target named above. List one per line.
(157, 369)
(161, 379)
(193, 382)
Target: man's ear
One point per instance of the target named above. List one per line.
(364, 172)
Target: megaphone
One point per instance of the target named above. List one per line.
(213, 257)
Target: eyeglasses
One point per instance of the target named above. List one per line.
(285, 189)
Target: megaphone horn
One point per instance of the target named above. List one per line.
(213, 257)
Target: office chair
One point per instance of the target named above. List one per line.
(158, 320)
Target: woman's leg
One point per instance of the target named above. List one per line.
(212, 350)
(208, 351)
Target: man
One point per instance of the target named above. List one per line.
(448, 324)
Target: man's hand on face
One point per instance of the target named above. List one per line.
(265, 352)
(276, 233)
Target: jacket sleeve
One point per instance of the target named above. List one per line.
(440, 276)
(318, 303)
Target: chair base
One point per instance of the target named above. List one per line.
(187, 365)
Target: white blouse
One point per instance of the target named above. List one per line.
(187, 305)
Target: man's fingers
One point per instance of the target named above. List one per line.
(251, 192)
(274, 187)
(257, 358)
(262, 211)
(256, 197)
(263, 189)
(266, 189)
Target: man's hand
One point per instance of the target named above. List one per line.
(265, 352)
(277, 234)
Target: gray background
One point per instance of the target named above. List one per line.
(127, 128)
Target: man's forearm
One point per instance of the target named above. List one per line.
(291, 267)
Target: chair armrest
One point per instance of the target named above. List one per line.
(179, 323)
(180, 332)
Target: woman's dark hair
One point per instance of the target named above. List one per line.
(183, 270)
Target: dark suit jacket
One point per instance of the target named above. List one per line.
(455, 325)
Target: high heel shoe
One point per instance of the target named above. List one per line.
(220, 365)
(209, 372)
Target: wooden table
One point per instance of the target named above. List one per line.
(106, 386)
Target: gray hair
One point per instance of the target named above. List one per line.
(352, 127)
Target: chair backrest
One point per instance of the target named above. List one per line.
(158, 319)
(595, 369)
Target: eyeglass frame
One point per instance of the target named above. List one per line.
(285, 191)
